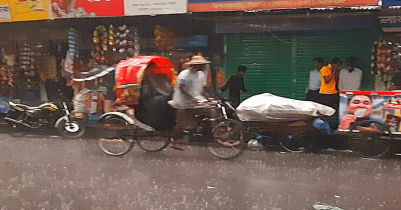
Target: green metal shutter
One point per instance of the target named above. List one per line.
(281, 66)
(357, 44)
(268, 61)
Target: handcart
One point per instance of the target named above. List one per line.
(144, 86)
(293, 136)
(371, 121)
(289, 121)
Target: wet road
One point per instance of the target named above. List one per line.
(52, 173)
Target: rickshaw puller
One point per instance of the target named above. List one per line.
(188, 91)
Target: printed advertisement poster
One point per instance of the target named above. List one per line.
(24, 10)
(240, 5)
(87, 8)
(383, 107)
(155, 7)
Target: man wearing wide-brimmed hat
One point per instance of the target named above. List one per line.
(189, 90)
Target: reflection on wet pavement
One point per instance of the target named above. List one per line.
(54, 173)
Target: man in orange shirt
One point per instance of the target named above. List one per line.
(330, 76)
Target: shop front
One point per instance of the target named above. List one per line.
(386, 52)
(99, 43)
(279, 50)
(30, 65)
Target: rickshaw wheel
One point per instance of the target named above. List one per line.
(153, 142)
(118, 137)
(228, 140)
(294, 143)
(374, 141)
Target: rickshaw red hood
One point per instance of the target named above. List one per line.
(130, 71)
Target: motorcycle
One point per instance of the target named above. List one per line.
(22, 118)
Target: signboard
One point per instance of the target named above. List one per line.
(25, 10)
(365, 22)
(110, 8)
(155, 7)
(240, 5)
(87, 8)
(391, 3)
(193, 41)
(390, 23)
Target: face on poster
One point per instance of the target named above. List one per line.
(87, 8)
(385, 109)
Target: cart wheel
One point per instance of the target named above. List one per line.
(228, 140)
(370, 139)
(296, 143)
(153, 142)
(117, 138)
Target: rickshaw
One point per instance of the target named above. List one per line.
(144, 86)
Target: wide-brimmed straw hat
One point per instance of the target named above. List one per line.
(197, 60)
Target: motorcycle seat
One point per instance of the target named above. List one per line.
(26, 107)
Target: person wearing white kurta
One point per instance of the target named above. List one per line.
(350, 77)
(315, 81)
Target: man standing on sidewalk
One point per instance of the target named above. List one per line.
(328, 90)
(315, 81)
(351, 76)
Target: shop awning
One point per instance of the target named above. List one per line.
(97, 72)
(130, 71)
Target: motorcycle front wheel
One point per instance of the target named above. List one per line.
(71, 130)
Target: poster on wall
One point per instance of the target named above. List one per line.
(155, 7)
(87, 8)
(381, 106)
(391, 3)
(25, 10)
(240, 5)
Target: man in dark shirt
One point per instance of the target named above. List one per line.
(235, 85)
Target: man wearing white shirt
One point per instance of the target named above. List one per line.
(351, 76)
(315, 81)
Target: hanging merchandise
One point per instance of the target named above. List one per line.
(127, 41)
(73, 54)
(385, 61)
(112, 38)
(121, 40)
(27, 63)
(100, 38)
(49, 68)
(164, 38)
(7, 86)
(74, 43)
(6, 80)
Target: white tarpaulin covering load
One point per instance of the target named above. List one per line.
(271, 108)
